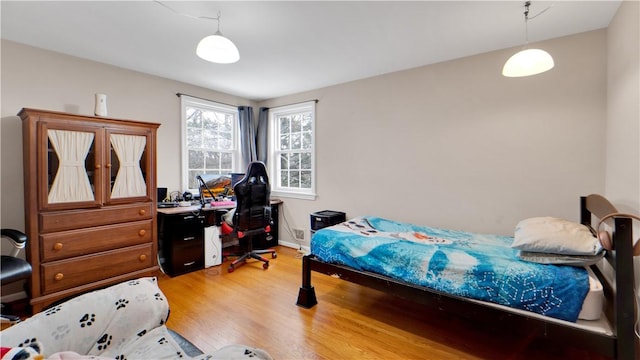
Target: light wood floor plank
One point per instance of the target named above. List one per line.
(213, 308)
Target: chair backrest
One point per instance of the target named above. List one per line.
(253, 199)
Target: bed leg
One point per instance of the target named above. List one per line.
(307, 294)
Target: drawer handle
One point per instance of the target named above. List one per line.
(59, 276)
(97, 167)
(108, 166)
(142, 232)
(142, 212)
(189, 238)
(58, 246)
(189, 263)
(142, 257)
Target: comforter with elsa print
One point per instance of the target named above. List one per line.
(477, 266)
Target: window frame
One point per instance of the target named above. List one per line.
(274, 151)
(188, 101)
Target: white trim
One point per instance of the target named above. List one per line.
(305, 194)
(296, 246)
(293, 195)
(213, 106)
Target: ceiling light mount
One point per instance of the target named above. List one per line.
(528, 61)
(217, 48)
(214, 48)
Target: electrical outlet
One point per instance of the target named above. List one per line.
(298, 234)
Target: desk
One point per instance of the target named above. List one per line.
(181, 235)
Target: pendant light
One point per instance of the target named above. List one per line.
(528, 61)
(217, 48)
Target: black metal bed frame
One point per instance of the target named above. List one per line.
(619, 294)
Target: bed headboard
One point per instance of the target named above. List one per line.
(620, 304)
(597, 205)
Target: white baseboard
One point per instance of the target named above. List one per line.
(13, 297)
(293, 245)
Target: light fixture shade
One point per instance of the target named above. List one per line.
(528, 62)
(218, 49)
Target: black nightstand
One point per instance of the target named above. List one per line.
(324, 218)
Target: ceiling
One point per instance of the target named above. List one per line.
(288, 47)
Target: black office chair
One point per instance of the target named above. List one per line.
(13, 268)
(252, 214)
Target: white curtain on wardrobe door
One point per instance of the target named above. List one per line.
(71, 182)
(129, 181)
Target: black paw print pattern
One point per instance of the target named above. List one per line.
(249, 353)
(121, 357)
(162, 341)
(87, 320)
(133, 282)
(121, 303)
(32, 342)
(158, 297)
(141, 333)
(104, 342)
(179, 354)
(60, 332)
(52, 310)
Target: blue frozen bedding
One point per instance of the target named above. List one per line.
(477, 266)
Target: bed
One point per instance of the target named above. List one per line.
(611, 334)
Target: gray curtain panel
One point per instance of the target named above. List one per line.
(247, 136)
(261, 134)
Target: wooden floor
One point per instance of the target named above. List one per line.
(213, 308)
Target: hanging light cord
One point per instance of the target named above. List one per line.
(526, 13)
(527, 18)
(190, 16)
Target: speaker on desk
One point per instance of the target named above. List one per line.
(162, 193)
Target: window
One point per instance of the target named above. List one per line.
(292, 150)
(209, 140)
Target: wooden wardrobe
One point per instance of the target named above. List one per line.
(90, 202)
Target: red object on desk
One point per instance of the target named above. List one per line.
(223, 203)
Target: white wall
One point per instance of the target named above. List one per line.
(457, 145)
(453, 144)
(43, 79)
(623, 108)
(622, 182)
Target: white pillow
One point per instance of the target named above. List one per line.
(556, 236)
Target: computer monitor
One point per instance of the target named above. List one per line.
(235, 177)
(213, 186)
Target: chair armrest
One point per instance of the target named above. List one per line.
(18, 237)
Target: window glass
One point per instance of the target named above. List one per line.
(209, 140)
(293, 150)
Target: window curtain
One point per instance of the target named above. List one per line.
(247, 136)
(129, 181)
(71, 182)
(262, 150)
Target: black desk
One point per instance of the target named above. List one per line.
(181, 235)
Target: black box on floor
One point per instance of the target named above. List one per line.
(324, 218)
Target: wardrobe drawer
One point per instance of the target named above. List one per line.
(77, 219)
(65, 244)
(66, 274)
